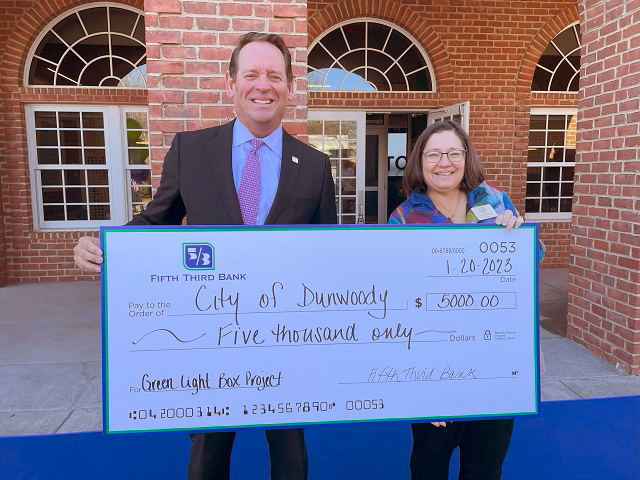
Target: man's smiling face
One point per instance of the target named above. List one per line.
(260, 91)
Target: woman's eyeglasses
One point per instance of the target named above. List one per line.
(434, 156)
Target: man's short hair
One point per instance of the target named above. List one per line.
(273, 39)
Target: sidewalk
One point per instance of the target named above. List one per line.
(572, 371)
(50, 354)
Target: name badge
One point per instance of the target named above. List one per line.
(483, 212)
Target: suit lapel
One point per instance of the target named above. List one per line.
(219, 159)
(289, 170)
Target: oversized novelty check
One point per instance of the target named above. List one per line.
(216, 328)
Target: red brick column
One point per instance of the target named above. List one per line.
(189, 45)
(3, 249)
(604, 274)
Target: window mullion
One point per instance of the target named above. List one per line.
(84, 29)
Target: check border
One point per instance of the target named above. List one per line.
(105, 231)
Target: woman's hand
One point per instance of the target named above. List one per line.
(439, 424)
(509, 220)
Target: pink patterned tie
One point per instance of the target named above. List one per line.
(249, 190)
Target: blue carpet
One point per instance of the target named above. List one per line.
(584, 439)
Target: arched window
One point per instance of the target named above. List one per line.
(99, 46)
(368, 56)
(89, 164)
(552, 132)
(558, 68)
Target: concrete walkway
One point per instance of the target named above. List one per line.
(50, 354)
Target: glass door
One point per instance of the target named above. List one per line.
(368, 154)
(386, 155)
(386, 159)
(341, 135)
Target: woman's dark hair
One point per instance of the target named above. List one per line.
(413, 180)
(273, 39)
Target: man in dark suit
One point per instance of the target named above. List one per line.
(248, 171)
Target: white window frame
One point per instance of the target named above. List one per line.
(550, 216)
(116, 164)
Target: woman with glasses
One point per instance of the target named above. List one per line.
(444, 182)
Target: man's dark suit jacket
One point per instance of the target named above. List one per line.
(197, 181)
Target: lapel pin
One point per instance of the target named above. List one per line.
(294, 159)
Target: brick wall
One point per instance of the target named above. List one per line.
(188, 47)
(604, 274)
(483, 52)
(9, 11)
(26, 255)
(489, 62)
(189, 44)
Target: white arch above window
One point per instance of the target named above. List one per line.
(94, 45)
(367, 54)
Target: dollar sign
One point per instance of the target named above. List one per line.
(418, 303)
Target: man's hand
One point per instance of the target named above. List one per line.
(87, 255)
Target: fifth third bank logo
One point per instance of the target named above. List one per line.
(198, 256)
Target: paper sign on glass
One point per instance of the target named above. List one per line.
(224, 327)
